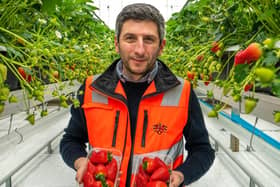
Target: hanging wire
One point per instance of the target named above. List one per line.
(20, 135)
(11, 122)
(250, 148)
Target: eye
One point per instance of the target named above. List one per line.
(129, 39)
(149, 40)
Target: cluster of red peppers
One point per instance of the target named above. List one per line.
(152, 172)
(102, 170)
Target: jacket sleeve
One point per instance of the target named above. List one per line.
(73, 142)
(200, 154)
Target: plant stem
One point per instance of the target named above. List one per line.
(15, 35)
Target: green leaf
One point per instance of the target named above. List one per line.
(241, 72)
(179, 28)
(270, 59)
(12, 52)
(276, 87)
(50, 5)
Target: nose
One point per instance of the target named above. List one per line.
(139, 47)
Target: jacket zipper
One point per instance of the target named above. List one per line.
(115, 98)
(145, 124)
(132, 146)
(142, 144)
(116, 128)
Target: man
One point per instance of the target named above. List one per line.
(139, 106)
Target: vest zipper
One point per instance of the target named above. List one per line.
(145, 124)
(116, 128)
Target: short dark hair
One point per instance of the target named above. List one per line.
(141, 11)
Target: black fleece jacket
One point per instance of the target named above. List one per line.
(200, 154)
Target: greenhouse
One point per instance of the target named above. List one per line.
(139, 93)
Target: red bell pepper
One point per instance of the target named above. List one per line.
(140, 180)
(101, 157)
(145, 175)
(112, 169)
(100, 172)
(97, 184)
(88, 179)
(109, 183)
(159, 162)
(149, 165)
(91, 168)
(156, 184)
(161, 173)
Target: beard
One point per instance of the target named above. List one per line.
(136, 65)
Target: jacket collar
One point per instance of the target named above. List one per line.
(148, 77)
(107, 82)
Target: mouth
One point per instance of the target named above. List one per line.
(138, 60)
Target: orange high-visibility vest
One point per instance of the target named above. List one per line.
(160, 123)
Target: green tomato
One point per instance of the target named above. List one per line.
(265, 75)
(250, 104)
(210, 94)
(277, 117)
(2, 106)
(3, 73)
(268, 43)
(213, 114)
(236, 97)
(64, 104)
(13, 99)
(44, 113)
(4, 93)
(76, 103)
(31, 119)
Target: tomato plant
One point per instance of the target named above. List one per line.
(238, 40)
(45, 42)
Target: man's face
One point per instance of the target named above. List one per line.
(138, 46)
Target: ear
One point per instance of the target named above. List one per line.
(116, 44)
(162, 45)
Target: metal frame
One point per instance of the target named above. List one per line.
(253, 179)
(264, 110)
(45, 132)
(8, 179)
(265, 107)
(13, 108)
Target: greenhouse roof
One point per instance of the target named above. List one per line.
(108, 9)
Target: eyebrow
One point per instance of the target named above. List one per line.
(145, 35)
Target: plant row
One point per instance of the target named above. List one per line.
(234, 45)
(43, 42)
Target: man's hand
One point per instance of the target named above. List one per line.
(176, 178)
(81, 166)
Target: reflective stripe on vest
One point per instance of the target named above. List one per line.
(97, 97)
(175, 151)
(172, 97)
